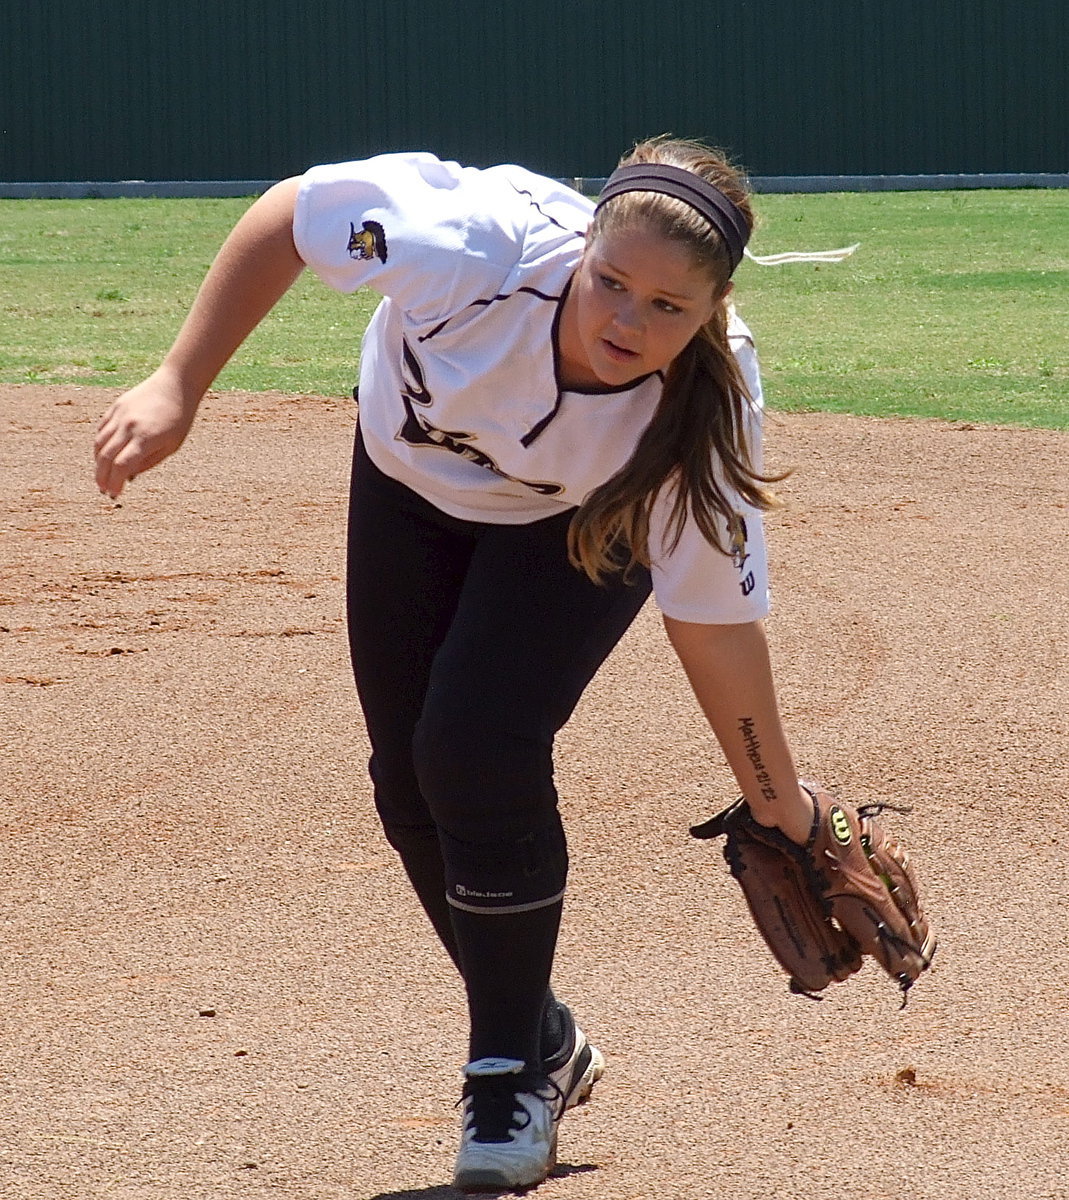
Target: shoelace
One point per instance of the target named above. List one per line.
(496, 1112)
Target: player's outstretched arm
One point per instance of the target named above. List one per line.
(255, 266)
(837, 887)
(728, 668)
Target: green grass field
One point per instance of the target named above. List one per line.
(954, 306)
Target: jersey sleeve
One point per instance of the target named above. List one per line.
(694, 581)
(431, 235)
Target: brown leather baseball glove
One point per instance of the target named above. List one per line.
(848, 892)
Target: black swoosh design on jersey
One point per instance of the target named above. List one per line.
(417, 430)
(413, 383)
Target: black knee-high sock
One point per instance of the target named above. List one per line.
(506, 960)
(421, 858)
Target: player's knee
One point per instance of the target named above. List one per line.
(398, 799)
(509, 874)
(410, 840)
(473, 766)
(489, 788)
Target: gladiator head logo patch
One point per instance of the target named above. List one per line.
(840, 826)
(367, 242)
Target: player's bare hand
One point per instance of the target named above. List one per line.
(142, 427)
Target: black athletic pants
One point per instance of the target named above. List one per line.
(471, 645)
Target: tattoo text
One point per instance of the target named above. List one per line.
(753, 753)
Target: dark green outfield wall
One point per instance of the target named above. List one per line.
(258, 89)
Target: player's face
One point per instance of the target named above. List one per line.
(636, 300)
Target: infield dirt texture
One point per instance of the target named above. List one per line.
(215, 983)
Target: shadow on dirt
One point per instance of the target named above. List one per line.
(446, 1192)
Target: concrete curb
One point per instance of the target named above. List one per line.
(209, 189)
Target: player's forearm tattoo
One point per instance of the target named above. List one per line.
(753, 753)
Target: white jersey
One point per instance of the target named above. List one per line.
(460, 398)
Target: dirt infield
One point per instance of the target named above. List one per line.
(216, 985)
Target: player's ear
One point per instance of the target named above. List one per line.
(724, 294)
(718, 299)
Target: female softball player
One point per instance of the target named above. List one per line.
(558, 413)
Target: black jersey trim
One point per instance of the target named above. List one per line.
(535, 205)
(538, 428)
(484, 303)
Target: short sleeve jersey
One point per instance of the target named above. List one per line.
(460, 393)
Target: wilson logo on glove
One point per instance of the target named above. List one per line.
(840, 825)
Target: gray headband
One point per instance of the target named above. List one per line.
(721, 212)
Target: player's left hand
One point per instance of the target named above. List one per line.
(848, 891)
